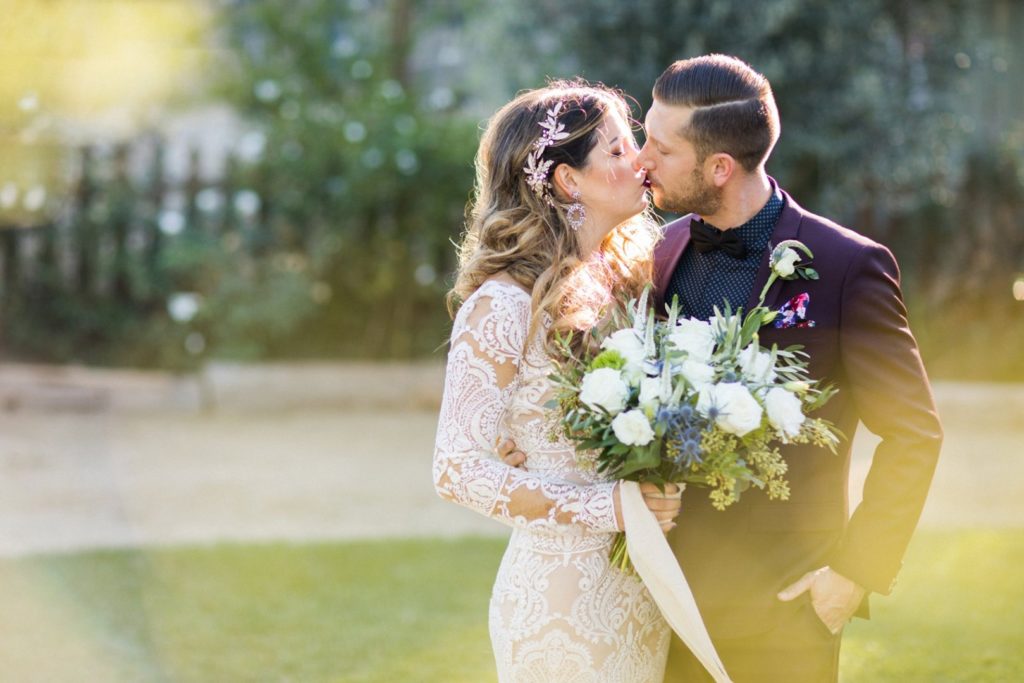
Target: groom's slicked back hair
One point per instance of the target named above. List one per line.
(734, 109)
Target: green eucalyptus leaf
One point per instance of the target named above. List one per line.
(751, 325)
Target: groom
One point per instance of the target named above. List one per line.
(776, 581)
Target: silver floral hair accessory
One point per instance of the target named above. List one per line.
(537, 170)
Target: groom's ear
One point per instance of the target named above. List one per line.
(720, 167)
(563, 178)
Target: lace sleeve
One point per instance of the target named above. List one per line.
(486, 347)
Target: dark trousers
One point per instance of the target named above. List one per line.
(799, 650)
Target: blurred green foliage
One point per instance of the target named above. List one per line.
(903, 121)
(366, 170)
(900, 120)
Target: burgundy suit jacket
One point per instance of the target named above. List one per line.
(737, 560)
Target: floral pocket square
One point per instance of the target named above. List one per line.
(793, 313)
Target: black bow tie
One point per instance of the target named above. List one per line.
(707, 238)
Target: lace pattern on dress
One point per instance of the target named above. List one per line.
(487, 345)
(559, 611)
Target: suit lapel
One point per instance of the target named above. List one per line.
(666, 257)
(787, 228)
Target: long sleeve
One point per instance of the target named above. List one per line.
(893, 397)
(487, 345)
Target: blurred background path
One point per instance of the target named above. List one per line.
(92, 458)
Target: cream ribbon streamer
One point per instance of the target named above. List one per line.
(657, 566)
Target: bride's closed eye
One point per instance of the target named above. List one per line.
(630, 143)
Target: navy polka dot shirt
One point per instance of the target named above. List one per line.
(703, 281)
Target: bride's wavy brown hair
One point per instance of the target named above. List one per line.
(509, 229)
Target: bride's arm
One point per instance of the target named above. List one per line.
(486, 349)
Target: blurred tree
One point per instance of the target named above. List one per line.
(329, 234)
(901, 120)
(361, 172)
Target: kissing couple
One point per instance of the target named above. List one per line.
(559, 232)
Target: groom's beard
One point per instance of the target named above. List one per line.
(699, 197)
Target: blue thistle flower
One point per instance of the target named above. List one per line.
(684, 426)
(689, 454)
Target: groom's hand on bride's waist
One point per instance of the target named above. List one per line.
(834, 597)
(509, 454)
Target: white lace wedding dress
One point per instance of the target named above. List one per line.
(559, 613)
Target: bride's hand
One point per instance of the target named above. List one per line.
(665, 506)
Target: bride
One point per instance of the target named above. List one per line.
(558, 226)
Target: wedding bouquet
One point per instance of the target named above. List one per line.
(689, 401)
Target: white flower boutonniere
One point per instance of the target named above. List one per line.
(785, 263)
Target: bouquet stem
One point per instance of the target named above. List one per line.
(619, 554)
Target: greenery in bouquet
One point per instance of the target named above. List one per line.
(689, 401)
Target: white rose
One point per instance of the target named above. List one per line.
(785, 412)
(738, 411)
(787, 262)
(632, 428)
(650, 393)
(631, 347)
(628, 343)
(696, 373)
(695, 337)
(757, 365)
(604, 388)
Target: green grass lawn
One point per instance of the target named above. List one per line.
(397, 611)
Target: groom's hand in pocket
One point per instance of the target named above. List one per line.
(509, 454)
(834, 597)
